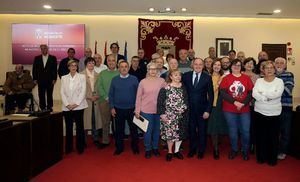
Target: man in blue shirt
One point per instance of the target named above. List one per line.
(121, 99)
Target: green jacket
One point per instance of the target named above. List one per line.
(103, 83)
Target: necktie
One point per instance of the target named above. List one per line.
(196, 80)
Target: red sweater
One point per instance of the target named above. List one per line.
(237, 88)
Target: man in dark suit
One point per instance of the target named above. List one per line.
(201, 95)
(44, 73)
(114, 48)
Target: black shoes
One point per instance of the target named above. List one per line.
(232, 154)
(169, 157)
(178, 155)
(148, 154)
(252, 149)
(118, 152)
(245, 156)
(135, 150)
(103, 145)
(156, 153)
(216, 154)
(97, 144)
(191, 154)
(200, 155)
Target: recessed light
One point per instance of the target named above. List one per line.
(47, 6)
(183, 9)
(168, 9)
(151, 9)
(277, 11)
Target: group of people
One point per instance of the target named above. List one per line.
(185, 99)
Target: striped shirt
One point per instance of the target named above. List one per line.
(288, 80)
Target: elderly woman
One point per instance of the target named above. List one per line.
(146, 102)
(267, 93)
(173, 113)
(236, 91)
(73, 93)
(92, 117)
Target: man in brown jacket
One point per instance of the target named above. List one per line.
(17, 87)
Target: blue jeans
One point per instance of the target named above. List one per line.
(238, 123)
(285, 128)
(151, 137)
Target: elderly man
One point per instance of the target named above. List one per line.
(102, 85)
(184, 65)
(87, 53)
(122, 95)
(200, 95)
(99, 66)
(287, 106)
(241, 56)
(17, 88)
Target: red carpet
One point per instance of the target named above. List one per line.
(101, 165)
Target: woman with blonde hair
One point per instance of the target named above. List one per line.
(146, 102)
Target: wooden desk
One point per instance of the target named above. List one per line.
(42, 137)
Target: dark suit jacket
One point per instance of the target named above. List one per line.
(119, 57)
(203, 94)
(44, 75)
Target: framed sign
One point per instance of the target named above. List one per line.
(223, 45)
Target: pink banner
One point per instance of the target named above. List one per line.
(26, 39)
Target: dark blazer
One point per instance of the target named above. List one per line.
(203, 94)
(44, 75)
(119, 57)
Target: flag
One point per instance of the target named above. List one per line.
(125, 51)
(95, 52)
(105, 49)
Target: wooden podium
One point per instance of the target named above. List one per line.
(30, 145)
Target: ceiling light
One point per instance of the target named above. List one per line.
(183, 9)
(277, 11)
(168, 9)
(151, 9)
(47, 6)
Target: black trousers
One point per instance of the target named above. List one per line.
(43, 90)
(267, 139)
(122, 116)
(11, 101)
(77, 117)
(197, 129)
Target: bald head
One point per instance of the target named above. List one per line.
(263, 55)
(88, 52)
(19, 69)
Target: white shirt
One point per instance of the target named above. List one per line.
(100, 68)
(73, 91)
(268, 96)
(45, 59)
(194, 76)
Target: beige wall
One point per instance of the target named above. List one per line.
(248, 35)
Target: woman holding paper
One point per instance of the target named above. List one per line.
(172, 106)
(146, 102)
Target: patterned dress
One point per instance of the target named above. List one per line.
(173, 102)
